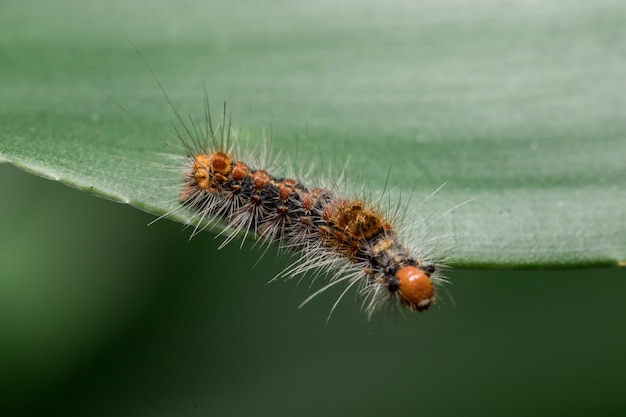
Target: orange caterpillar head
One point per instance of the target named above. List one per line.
(415, 287)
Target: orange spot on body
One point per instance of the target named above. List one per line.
(307, 203)
(416, 289)
(260, 178)
(240, 171)
(221, 163)
(329, 213)
(310, 198)
(357, 220)
(201, 171)
(286, 188)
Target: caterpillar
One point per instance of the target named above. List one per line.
(348, 239)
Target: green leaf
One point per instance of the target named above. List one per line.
(517, 105)
(519, 109)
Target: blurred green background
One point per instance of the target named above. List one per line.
(146, 322)
(101, 315)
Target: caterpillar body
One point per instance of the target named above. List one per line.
(347, 238)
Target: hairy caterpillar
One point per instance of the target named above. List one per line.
(346, 238)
